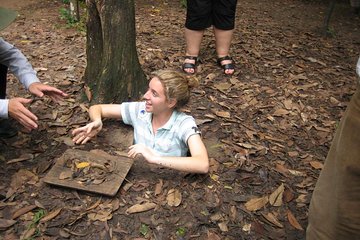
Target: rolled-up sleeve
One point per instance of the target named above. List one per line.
(4, 108)
(358, 67)
(17, 63)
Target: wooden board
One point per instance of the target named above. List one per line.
(113, 180)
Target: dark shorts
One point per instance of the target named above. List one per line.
(201, 14)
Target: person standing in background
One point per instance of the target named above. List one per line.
(334, 211)
(201, 14)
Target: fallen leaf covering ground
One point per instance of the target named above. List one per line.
(267, 128)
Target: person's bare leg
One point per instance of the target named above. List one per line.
(193, 41)
(223, 42)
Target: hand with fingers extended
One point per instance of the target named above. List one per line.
(148, 154)
(20, 113)
(84, 134)
(40, 89)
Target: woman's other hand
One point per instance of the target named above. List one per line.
(84, 134)
(146, 152)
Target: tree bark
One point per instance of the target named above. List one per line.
(74, 9)
(113, 72)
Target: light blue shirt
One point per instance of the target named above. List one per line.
(169, 140)
(17, 63)
(358, 68)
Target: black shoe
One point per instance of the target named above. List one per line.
(6, 130)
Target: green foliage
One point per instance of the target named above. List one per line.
(183, 3)
(66, 1)
(330, 32)
(71, 21)
(144, 229)
(37, 216)
(181, 231)
(35, 221)
(65, 15)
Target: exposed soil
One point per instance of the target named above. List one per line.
(267, 129)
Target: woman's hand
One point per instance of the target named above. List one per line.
(83, 134)
(146, 152)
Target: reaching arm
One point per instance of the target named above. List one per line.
(198, 162)
(18, 64)
(96, 113)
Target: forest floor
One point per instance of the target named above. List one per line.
(267, 128)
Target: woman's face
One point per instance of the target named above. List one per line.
(155, 98)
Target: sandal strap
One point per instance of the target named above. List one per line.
(192, 57)
(228, 66)
(227, 57)
(189, 65)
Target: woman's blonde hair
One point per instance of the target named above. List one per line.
(176, 85)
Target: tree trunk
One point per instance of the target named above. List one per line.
(74, 9)
(113, 73)
(328, 16)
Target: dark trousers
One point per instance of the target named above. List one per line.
(3, 78)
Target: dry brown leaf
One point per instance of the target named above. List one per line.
(6, 223)
(64, 233)
(22, 211)
(280, 112)
(210, 116)
(202, 121)
(212, 236)
(210, 77)
(158, 187)
(293, 154)
(288, 195)
(334, 101)
(313, 60)
(296, 173)
(316, 165)
(95, 205)
(282, 169)
(27, 233)
(140, 208)
(302, 198)
(102, 216)
(250, 134)
(88, 93)
(321, 129)
(216, 217)
(61, 130)
(65, 175)
(23, 157)
(22, 177)
(245, 145)
(68, 141)
(115, 204)
(222, 114)
(247, 227)
(223, 227)
(272, 219)
(306, 86)
(293, 221)
(256, 203)
(275, 198)
(39, 204)
(174, 197)
(288, 104)
(51, 215)
(233, 213)
(222, 87)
